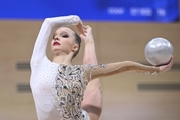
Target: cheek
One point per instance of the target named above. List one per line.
(68, 44)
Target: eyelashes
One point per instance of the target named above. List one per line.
(63, 35)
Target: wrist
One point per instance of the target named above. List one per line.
(89, 43)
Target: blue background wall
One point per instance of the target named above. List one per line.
(96, 10)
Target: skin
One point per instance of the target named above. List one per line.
(65, 47)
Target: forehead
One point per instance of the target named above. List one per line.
(64, 29)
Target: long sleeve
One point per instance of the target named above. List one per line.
(96, 71)
(39, 52)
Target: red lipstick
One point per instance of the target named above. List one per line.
(56, 43)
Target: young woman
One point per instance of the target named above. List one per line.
(92, 96)
(58, 86)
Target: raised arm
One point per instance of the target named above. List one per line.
(89, 50)
(39, 52)
(92, 100)
(96, 71)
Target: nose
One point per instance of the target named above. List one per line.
(56, 38)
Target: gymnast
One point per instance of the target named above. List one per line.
(63, 91)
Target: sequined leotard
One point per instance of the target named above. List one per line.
(70, 84)
(57, 89)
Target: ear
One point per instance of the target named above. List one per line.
(75, 48)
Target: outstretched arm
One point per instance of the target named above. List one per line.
(103, 70)
(48, 25)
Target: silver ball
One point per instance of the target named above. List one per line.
(158, 51)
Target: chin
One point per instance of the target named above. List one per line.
(55, 50)
(56, 53)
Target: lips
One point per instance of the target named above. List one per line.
(56, 43)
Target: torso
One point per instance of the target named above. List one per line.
(58, 91)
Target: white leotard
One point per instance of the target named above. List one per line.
(58, 89)
(44, 80)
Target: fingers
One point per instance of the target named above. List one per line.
(81, 28)
(167, 67)
(171, 62)
(84, 28)
(89, 30)
(86, 33)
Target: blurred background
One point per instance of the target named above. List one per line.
(121, 29)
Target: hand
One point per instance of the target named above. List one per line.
(165, 68)
(88, 38)
(81, 28)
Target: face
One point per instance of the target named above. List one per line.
(63, 41)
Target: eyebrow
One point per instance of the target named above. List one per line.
(64, 32)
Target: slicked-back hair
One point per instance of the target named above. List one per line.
(78, 42)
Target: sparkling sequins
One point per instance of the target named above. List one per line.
(150, 73)
(92, 67)
(69, 86)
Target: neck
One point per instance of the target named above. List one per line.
(63, 59)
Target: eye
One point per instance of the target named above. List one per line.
(65, 36)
